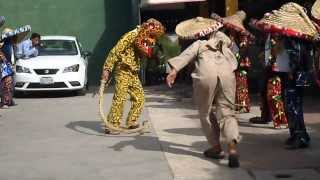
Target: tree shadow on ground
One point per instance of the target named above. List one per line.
(266, 151)
(141, 142)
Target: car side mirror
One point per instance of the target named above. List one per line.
(86, 54)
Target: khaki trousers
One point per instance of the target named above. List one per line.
(217, 88)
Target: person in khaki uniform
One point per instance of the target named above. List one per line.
(214, 82)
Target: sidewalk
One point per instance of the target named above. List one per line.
(262, 154)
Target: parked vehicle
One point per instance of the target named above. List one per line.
(60, 66)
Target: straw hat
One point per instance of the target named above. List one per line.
(290, 20)
(2, 20)
(234, 22)
(315, 11)
(20, 32)
(197, 27)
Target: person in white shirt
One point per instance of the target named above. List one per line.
(29, 48)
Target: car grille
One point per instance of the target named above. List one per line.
(46, 71)
(54, 85)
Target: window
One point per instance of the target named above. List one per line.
(58, 47)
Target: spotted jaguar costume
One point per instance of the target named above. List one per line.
(124, 60)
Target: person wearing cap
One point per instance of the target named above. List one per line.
(289, 59)
(125, 58)
(214, 82)
(241, 39)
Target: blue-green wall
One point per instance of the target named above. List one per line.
(97, 23)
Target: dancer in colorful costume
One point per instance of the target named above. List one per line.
(241, 39)
(291, 30)
(124, 58)
(214, 82)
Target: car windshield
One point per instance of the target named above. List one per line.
(58, 47)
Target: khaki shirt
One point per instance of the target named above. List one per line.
(203, 52)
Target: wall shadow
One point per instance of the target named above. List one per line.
(120, 17)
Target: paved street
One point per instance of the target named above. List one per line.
(58, 137)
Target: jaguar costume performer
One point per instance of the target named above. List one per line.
(124, 60)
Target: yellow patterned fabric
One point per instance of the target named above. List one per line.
(124, 58)
(127, 82)
(123, 54)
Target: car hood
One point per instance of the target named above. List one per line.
(49, 62)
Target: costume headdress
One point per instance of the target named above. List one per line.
(149, 32)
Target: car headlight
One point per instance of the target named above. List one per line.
(73, 68)
(21, 69)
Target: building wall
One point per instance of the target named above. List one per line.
(97, 23)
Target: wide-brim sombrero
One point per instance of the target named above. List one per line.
(315, 11)
(234, 22)
(2, 20)
(197, 27)
(290, 20)
(20, 32)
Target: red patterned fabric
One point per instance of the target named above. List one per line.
(242, 92)
(276, 103)
(6, 86)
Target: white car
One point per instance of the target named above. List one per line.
(61, 65)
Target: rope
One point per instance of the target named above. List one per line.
(141, 130)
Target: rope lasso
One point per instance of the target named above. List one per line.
(141, 130)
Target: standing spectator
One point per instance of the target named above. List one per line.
(29, 48)
(10, 38)
(6, 82)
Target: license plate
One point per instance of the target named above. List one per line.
(46, 80)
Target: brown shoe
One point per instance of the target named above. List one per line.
(108, 131)
(214, 154)
(135, 126)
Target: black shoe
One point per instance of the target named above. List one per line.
(298, 143)
(211, 153)
(234, 161)
(258, 120)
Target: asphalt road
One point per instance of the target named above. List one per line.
(58, 137)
